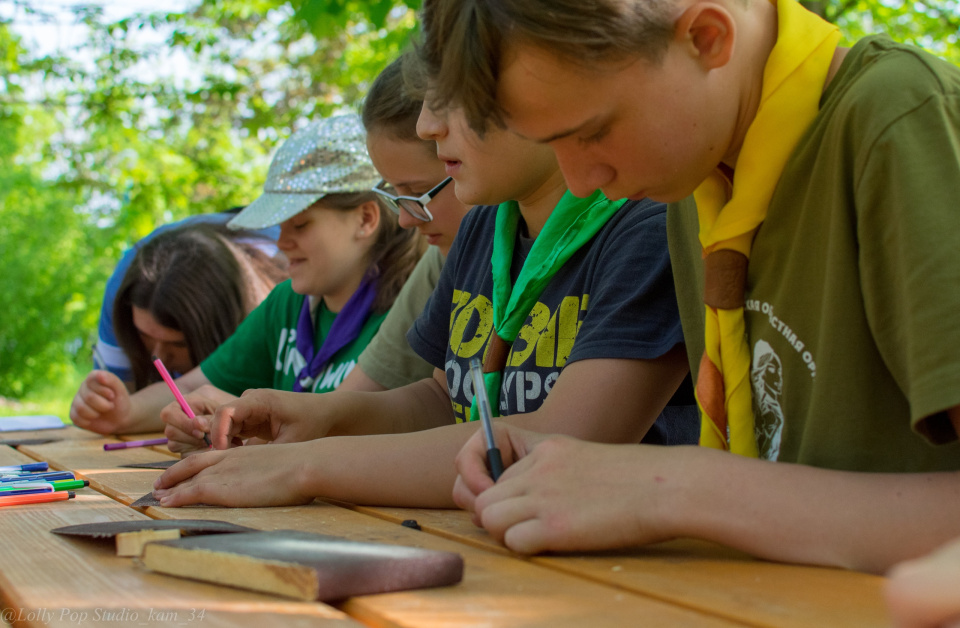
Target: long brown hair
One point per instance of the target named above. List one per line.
(393, 254)
(200, 280)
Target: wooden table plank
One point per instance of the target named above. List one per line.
(51, 580)
(496, 590)
(698, 575)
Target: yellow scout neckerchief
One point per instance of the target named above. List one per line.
(793, 81)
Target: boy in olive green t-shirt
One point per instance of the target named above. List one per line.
(836, 262)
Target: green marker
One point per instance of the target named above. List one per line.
(69, 485)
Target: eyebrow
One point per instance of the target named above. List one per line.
(562, 134)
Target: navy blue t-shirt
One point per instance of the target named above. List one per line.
(614, 298)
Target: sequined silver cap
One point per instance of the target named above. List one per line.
(326, 157)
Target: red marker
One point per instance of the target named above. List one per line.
(37, 498)
(176, 393)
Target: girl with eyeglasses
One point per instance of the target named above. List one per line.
(417, 189)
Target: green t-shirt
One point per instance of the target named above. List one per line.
(262, 352)
(853, 288)
(388, 359)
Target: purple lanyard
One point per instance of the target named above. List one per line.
(345, 329)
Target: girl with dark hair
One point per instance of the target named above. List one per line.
(185, 292)
(348, 258)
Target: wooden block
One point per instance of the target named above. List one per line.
(131, 543)
(304, 565)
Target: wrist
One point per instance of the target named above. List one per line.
(679, 507)
(306, 471)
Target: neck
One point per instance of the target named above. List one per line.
(536, 206)
(758, 31)
(337, 298)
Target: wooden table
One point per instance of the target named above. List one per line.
(50, 580)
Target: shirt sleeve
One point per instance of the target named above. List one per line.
(389, 359)
(906, 195)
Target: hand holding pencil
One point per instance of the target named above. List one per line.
(186, 433)
(473, 471)
(181, 402)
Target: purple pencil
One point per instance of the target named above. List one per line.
(135, 443)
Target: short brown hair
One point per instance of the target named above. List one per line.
(463, 42)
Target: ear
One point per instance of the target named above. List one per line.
(368, 215)
(708, 30)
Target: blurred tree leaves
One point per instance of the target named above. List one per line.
(931, 24)
(100, 144)
(166, 114)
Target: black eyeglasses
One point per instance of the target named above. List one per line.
(415, 206)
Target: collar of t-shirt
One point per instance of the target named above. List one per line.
(521, 250)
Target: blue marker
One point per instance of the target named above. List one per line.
(38, 477)
(24, 468)
(25, 488)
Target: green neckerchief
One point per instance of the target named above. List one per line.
(571, 224)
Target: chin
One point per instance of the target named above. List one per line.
(469, 196)
(300, 288)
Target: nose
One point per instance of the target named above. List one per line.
(285, 241)
(408, 220)
(159, 349)
(583, 173)
(430, 126)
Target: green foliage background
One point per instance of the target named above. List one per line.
(97, 147)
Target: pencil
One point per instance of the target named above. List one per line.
(486, 418)
(135, 443)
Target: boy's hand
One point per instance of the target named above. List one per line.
(473, 476)
(563, 494)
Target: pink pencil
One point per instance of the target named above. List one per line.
(135, 443)
(176, 393)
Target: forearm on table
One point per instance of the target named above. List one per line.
(801, 514)
(419, 406)
(406, 470)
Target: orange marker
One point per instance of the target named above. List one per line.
(37, 498)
